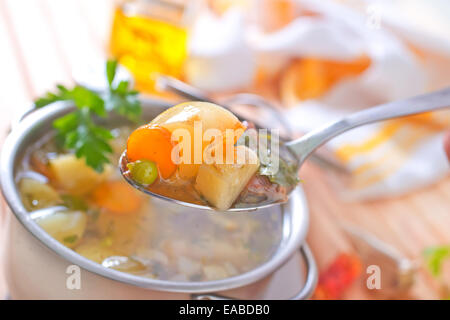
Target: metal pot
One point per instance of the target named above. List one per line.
(37, 264)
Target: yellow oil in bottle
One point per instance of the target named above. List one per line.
(147, 45)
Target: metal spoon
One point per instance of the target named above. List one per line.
(307, 144)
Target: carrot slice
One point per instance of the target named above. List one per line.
(117, 197)
(153, 143)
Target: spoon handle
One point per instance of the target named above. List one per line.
(305, 145)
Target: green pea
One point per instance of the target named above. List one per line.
(143, 171)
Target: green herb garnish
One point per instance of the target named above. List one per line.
(285, 173)
(71, 239)
(121, 98)
(435, 257)
(77, 130)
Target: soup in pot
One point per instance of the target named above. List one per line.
(101, 217)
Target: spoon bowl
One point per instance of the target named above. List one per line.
(123, 161)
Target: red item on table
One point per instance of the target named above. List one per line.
(338, 277)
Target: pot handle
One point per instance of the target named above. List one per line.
(304, 293)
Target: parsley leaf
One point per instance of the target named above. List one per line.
(77, 131)
(275, 162)
(82, 98)
(111, 67)
(50, 97)
(120, 98)
(286, 175)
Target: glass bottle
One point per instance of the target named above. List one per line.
(149, 37)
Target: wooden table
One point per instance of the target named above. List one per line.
(42, 41)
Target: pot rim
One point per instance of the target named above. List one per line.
(294, 215)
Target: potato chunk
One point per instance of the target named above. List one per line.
(221, 184)
(211, 115)
(37, 195)
(74, 176)
(184, 116)
(67, 227)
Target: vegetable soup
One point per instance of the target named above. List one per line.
(101, 217)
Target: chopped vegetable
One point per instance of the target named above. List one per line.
(152, 143)
(143, 171)
(39, 163)
(74, 176)
(67, 227)
(209, 116)
(117, 197)
(221, 184)
(37, 195)
(77, 130)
